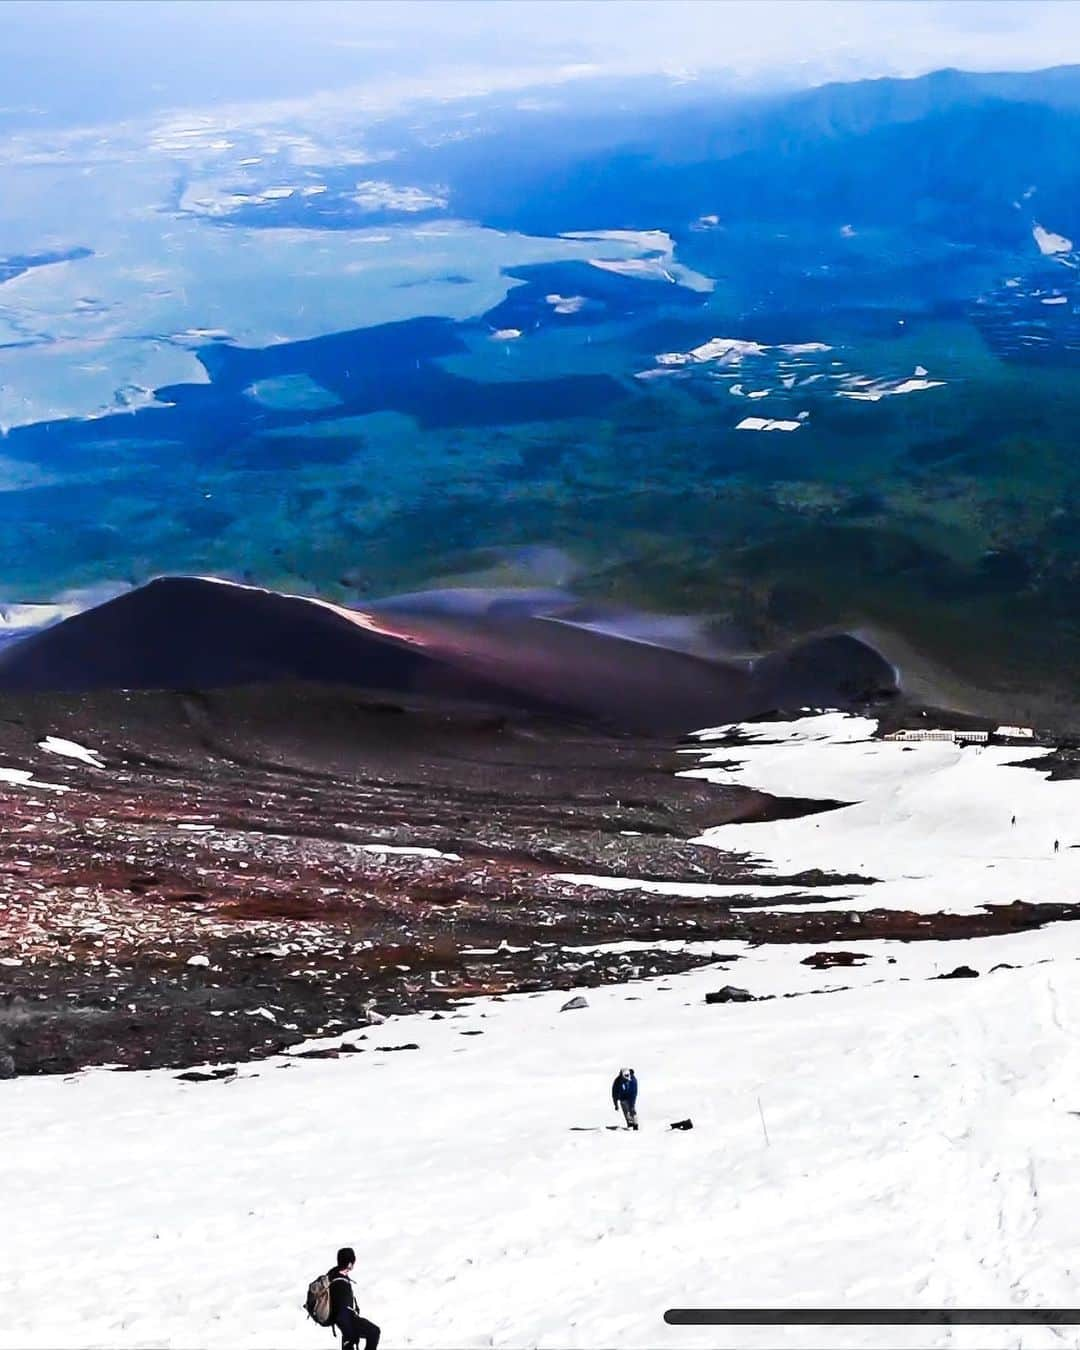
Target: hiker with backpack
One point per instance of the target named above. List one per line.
(624, 1094)
(331, 1302)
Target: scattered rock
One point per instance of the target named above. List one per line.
(470, 1033)
(1003, 965)
(960, 973)
(687, 1124)
(729, 994)
(205, 1075)
(411, 1046)
(329, 1052)
(572, 1004)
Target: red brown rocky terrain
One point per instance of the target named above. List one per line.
(221, 881)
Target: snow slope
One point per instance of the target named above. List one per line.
(922, 1152)
(931, 820)
(929, 824)
(923, 1135)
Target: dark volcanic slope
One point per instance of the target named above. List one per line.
(190, 633)
(193, 633)
(247, 829)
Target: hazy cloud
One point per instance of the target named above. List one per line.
(80, 62)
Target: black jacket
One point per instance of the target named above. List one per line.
(624, 1090)
(342, 1300)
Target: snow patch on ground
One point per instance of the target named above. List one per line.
(767, 424)
(25, 778)
(933, 820)
(408, 852)
(883, 389)
(921, 1152)
(565, 304)
(56, 745)
(657, 269)
(658, 264)
(1050, 243)
(729, 351)
(647, 241)
(783, 367)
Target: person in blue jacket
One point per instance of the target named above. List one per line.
(624, 1094)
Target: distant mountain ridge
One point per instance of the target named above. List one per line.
(953, 151)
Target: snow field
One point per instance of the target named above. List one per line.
(929, 824)
(931, 820)
(923, 1136)
(922, 1152)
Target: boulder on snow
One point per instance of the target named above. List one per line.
(729, 994)
(329, 1052)
(205, 1076)
(826, 960)
(686, 1124)
(572, 1004)
(960, 973)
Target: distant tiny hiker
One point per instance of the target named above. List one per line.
(346, 1315)
(624, 1094)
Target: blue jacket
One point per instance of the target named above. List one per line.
(624, 1089)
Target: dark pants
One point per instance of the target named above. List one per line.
(629, 1112)
(356, 1329)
